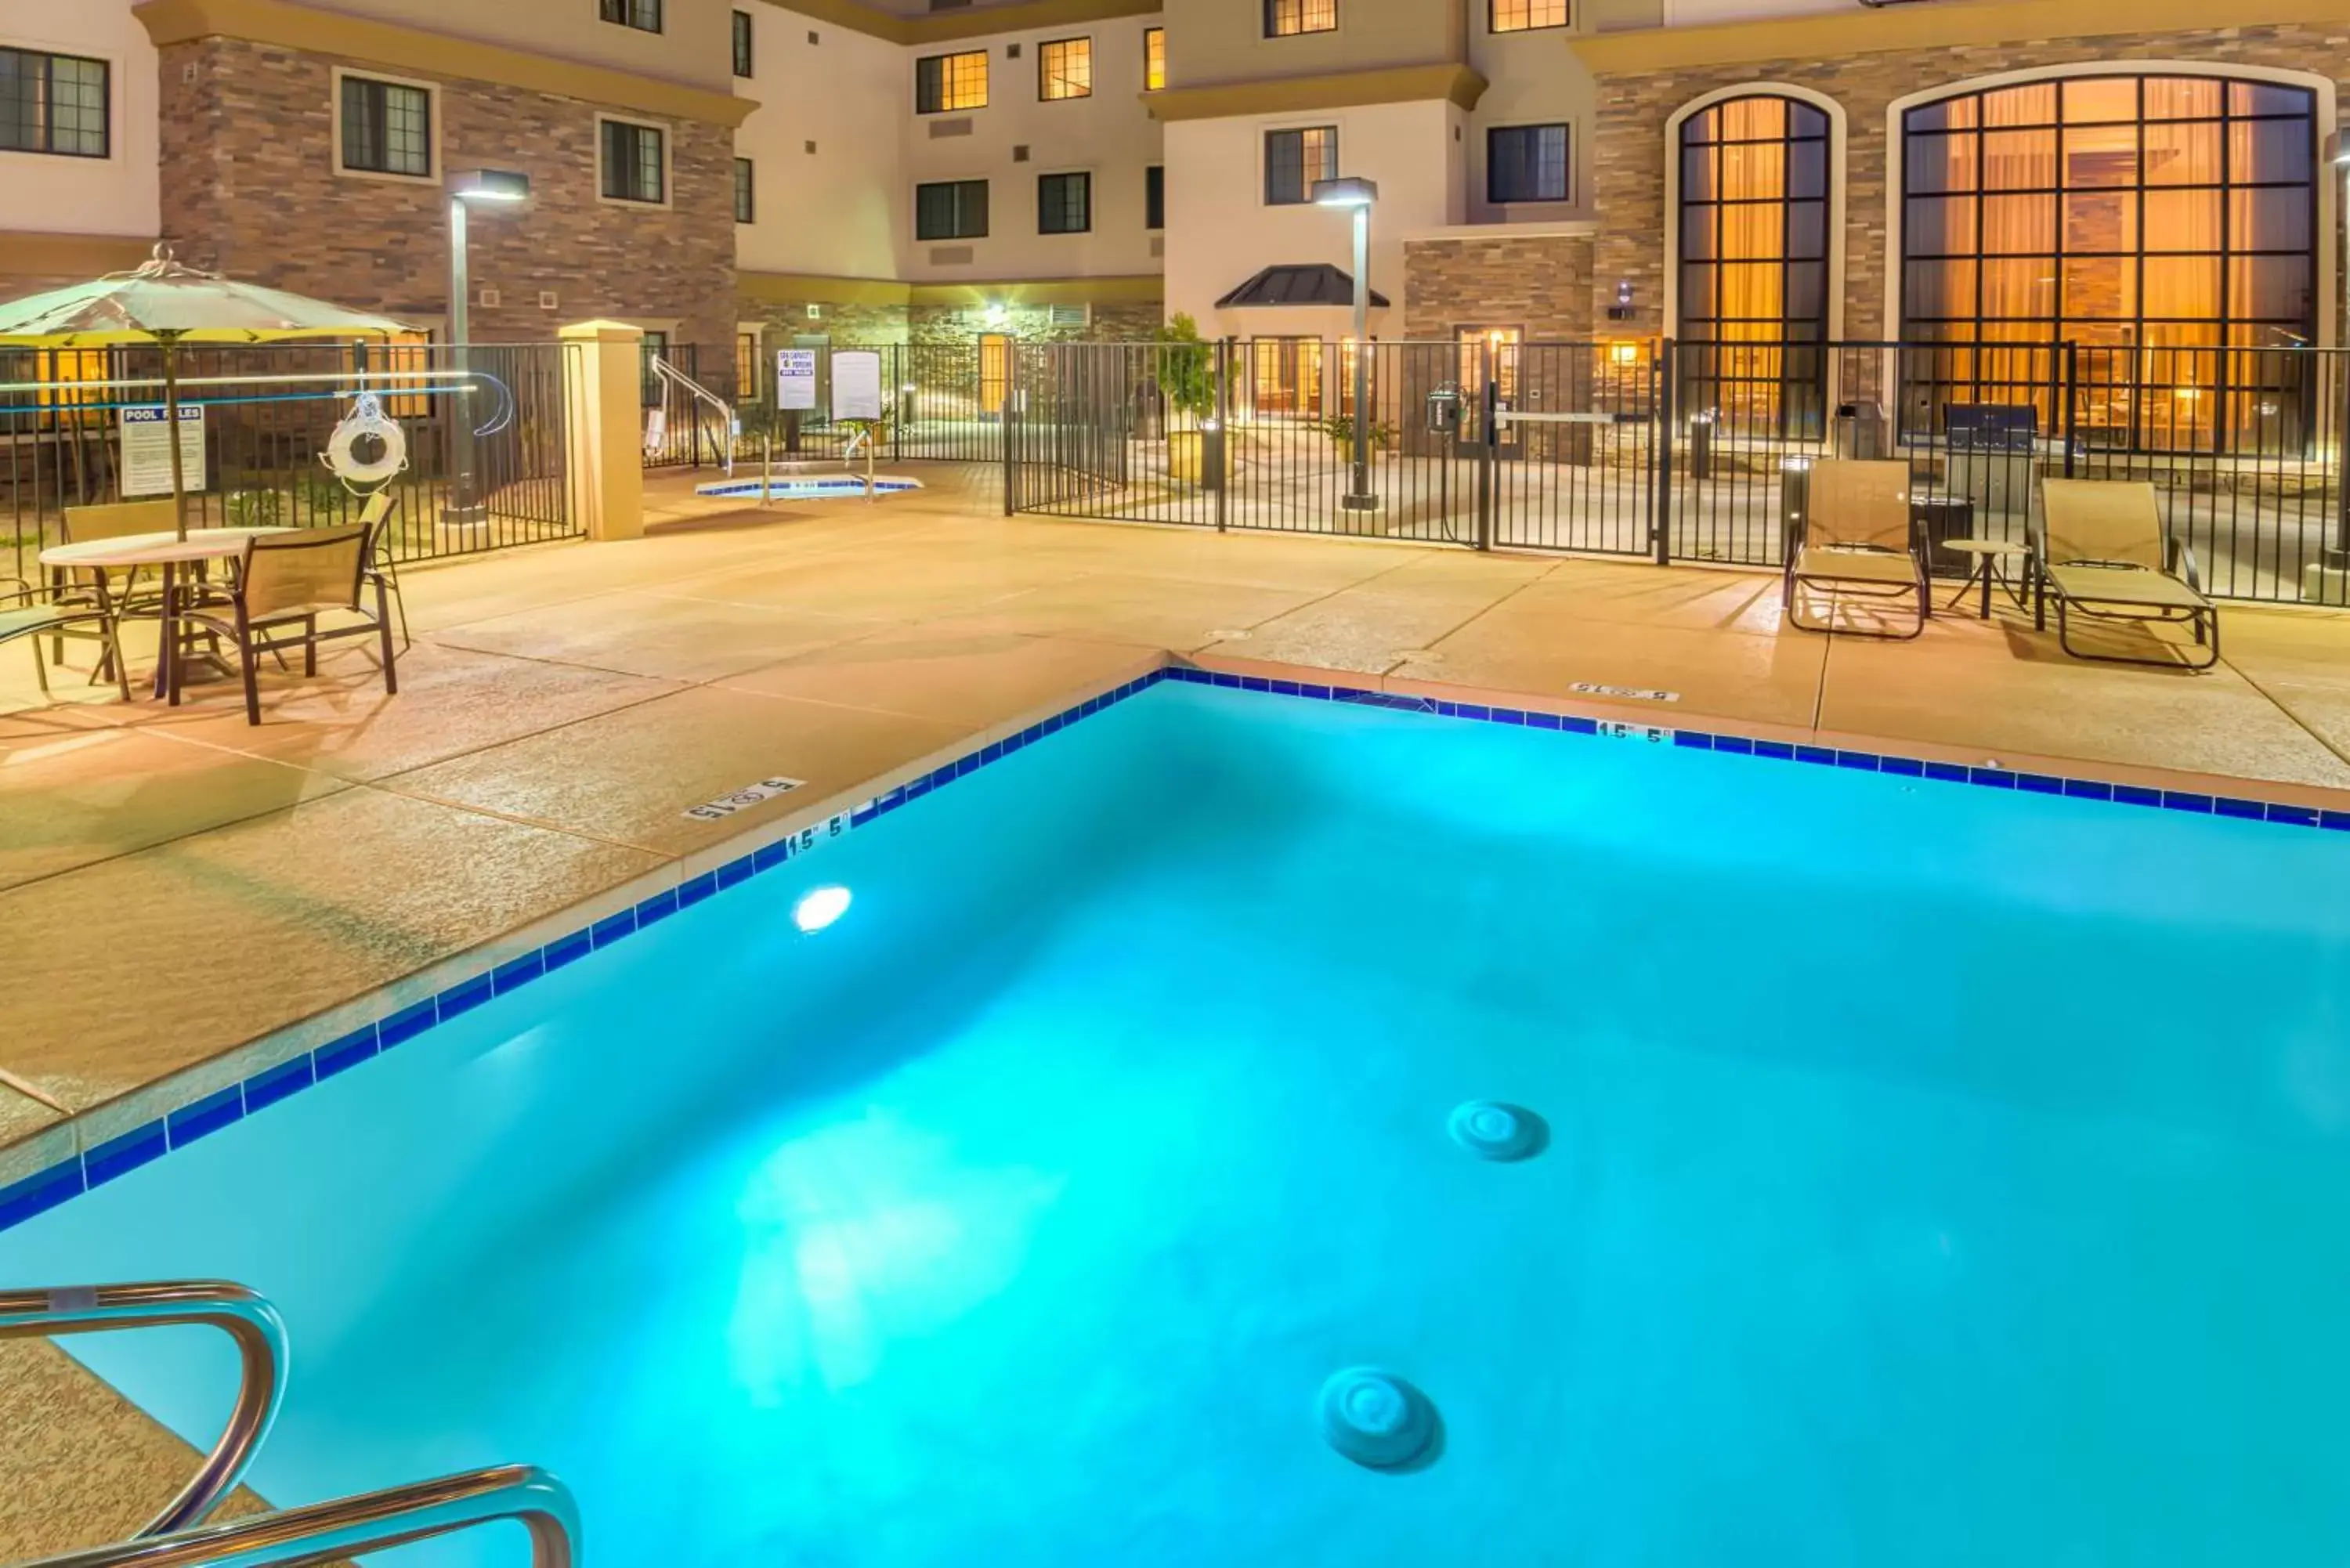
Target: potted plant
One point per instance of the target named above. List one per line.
(1339, 429)
(1187, 383)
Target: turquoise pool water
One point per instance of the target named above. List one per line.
(1936, 1176)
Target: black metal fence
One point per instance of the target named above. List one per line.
(268, 414)
(1688, 450)
(946, 405)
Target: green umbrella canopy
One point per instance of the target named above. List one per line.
(168, 304)
(164, 301)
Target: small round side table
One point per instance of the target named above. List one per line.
(1987, 553)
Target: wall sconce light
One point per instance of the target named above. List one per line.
(1622, 309)
(1624, 351)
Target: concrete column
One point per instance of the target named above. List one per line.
(603, 373)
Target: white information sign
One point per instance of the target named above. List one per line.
(147, 450)
(795, 378)
(856, 386)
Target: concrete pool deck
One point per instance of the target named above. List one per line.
(175, 885)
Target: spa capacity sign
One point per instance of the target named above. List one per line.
(147, 449)
(795, 378)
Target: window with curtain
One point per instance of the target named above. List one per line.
(1523, 15)
(1065, 69)
(1065, 203)
(944, 84)
(1754, 258)
(53, 103)
(1295, 159)
(635, 162)
(1154, 59)
(2157, 221)
(1287, 18)
(387, 128)
(1525, 164)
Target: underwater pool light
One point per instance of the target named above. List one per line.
(820, 907)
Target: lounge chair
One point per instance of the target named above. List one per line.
(30, 611)
(2105, 554)
(1855, 536)
(285, 583)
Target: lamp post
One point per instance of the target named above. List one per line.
(1358, 195)
(491, 186)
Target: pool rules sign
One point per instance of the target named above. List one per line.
(147, 449)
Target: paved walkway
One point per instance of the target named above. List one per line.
(175, 884)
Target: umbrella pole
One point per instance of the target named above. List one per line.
(171, 426)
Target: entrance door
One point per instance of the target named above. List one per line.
(995, 373)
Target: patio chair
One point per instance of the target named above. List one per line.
(87, 587)
(285, 583)
(376, 517)
(2105, 554)
(29, 611)
(1855, 536)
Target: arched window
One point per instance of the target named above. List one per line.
(1754, 252)
(2158, 221)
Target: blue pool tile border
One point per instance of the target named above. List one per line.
(46, 1188)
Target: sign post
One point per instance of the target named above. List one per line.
(857, 395)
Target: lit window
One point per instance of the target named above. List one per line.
(951, 210)
(1494, 349)
(1065, 203)
(635, 159)
(1285, 18)
(1525, 16)
(645, 15)
(52, 103)
(1294, 159)
(747, 388)
(944, 84)
(746, 197)
(1065, 68)
(1754, 261)
(1154, 59)
(1526, 163)
(387, 128)
(743, 57)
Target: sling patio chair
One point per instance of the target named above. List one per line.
(376, 517)
(91, 587)
(30, 611)
(2105, 554)
(1853, 536)
(285, 584)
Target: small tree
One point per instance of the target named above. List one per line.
(1187, 370)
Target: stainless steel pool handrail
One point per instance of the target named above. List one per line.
(371, 1521)
(244, 1316)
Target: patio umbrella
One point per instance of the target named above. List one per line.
(167, 304)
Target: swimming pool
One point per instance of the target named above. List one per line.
(806, 489)
(1936, 1174)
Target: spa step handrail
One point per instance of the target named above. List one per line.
(371, 1521)
(244, 1316)
(696, 396)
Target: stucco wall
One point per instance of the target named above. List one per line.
(117, 195)
(845, 210)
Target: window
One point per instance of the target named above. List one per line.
(952, 209)
(1285, 18)
(1154, 197)
(1154, 59)
(2163, 214)
(1525, 16)
(744, 62)
(749, 386)
(645, 15)
(1526, 163)
(634, 163)
(1494, 349)
(1284, 376)
(1754, 246)
(1065, 68)
(747, 198)
(1065, 203)
(945, 83)
(387, 128)
(1294, 159)
(52, 103)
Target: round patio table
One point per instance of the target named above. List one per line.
(1987, 553)
(168, 553)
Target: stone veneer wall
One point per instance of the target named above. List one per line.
(844, 324)
(1032, 324)
(250, 188)
(1628, 151)
(1539, 282)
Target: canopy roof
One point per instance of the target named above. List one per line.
(1318, 284)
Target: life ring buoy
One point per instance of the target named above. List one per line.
(367, 421)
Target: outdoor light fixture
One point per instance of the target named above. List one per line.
(503, 186)
(1625, 353)
(490, 185)
(1357, 195)
(819, 909)
(1348, 193)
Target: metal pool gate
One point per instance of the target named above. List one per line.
(1687, 451)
